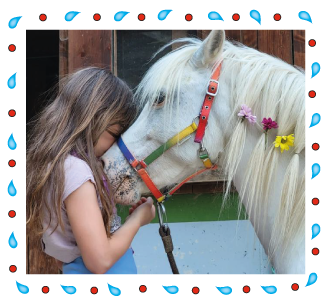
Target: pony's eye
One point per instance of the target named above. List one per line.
(160, 100)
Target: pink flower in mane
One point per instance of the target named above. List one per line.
(245, 113)
(269, 124)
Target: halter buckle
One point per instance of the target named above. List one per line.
(202, 147)
(202, 151)
(210, 93)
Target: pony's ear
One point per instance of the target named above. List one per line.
(210, 50)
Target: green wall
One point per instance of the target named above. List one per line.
(196, 207)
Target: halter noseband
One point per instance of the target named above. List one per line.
(140, 165)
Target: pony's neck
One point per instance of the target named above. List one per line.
(262, 210)
(263, 223)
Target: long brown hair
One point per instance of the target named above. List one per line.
(89, 101)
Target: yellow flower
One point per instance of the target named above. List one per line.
(284, 142)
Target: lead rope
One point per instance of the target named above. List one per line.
(165, 234)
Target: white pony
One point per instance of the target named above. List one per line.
(271, 184)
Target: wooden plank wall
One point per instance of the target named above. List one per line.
(80, 48)
(289, 45)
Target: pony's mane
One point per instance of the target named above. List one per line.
(272, 88)
(275, 89)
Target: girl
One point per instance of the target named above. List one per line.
(69, 201)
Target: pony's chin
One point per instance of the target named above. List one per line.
(127, 196)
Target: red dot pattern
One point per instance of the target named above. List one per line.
(295, 287)
(315, 146)
(315, 201)
(94, 290)
(315, 251)
(45, 289)
(96, 17)
(312, 94)
(312, 42)
(43, 17)
(141, 17)
(277, 17)
(12, 213)
(12, 163)
(12, 113)
(143, 288)
(12, 48)
(236, 17)
(189, 17)
(195, 290)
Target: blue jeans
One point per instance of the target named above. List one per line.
(125, 265)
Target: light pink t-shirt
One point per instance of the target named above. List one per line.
(62, 246)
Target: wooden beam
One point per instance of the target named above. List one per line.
(63, 54)
(202, 34)
(233, 35)
(277, 43)
(299, 48)
(89, 48)
(249, 38)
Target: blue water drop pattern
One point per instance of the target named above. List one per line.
(163, 14)
(213, 15)
(71, 15)
(315, 169)
(171, 289)
(69, 289)
(270, 289)
(315, 69)
(12, 189)
(114, 291)
(254, 14)
(120, 15)
(12, 81)
(12, 241)
(312, 279)
(315, 119)
(22, 288)
(12, 143)
(13, 22)
(225, 290)
(303, 15)
(315, 230)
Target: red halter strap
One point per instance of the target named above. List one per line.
(211, 93)
(140, 165)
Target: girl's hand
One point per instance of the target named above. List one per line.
(143, 211)
(133, 207)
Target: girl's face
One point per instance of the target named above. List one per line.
(107, 139)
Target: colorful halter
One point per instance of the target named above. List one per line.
(141, 165)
